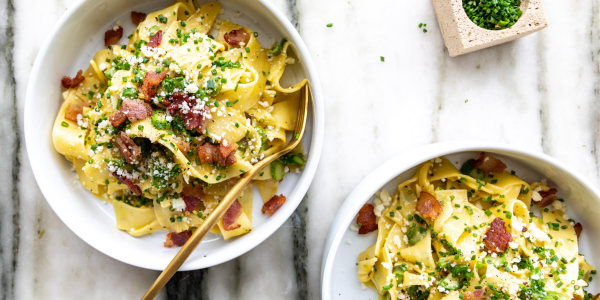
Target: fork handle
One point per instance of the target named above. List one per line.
(198, 236)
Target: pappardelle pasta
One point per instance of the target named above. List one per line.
(479, 232)
(161, 127)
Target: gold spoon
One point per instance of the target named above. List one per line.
(233, 194)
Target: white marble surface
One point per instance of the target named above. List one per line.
(539, 92)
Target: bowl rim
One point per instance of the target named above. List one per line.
(404, 161)
(301, 187)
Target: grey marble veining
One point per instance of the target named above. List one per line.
(539, 92)
(10, 138)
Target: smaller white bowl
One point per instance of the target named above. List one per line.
(339, 272)
(78, 35)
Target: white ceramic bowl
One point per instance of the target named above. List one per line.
(339, 278)
(78, 35)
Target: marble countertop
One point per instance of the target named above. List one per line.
(540, 92)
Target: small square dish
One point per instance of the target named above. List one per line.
(462, 36)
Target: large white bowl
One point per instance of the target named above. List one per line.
(339, 272)
(78, 35)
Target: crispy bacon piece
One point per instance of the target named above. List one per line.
(136, 109)
(133, 110)
(177, 239)
(132, 186)
(496, 237)
(271, 206)
(192, 110)
(72, 110)
(155, 40)
(182, 145)
(220, 154)
(117, 118)
(191, 203)
(193, 196)
(208, 153)
(231, 215)
(71, 82)
(129, 150)
(227, 153)
(428, 206)
(487, 163)
(151, 82)
(474, 295)
(113, 36)
(193, 190)
(547, 197)
(578, 229)
(237, 37)
(366, 219)
(137, 17)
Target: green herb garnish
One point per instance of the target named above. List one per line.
(493, 14)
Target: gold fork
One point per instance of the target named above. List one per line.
(233, 194)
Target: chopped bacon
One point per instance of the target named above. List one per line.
(193, 111)
(113, 36)
(193, 196)
(132, 186)
(151, 82)
(428, 206)
(117, 118)
(137, 17)
(227, 153)
(182, 145)
(71, 82)
(496, 237)
(271, 206)
(191, 203)
(155, 40)
(129, 150)
(237, 37)
(231, 215)
(487, 163)
(177, 239)
(220, 154)
(193, 190)
(366, 219)
(474, 295)
(136, 109)
(547, 197)
(73, 110)
(578, 229)
(133, 110)
(208, 153)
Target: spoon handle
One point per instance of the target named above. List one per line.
(198, 236)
